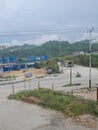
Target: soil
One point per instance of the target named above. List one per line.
(22, 72)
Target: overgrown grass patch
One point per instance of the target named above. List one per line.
(69, 105)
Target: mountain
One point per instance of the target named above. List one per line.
(52, 48)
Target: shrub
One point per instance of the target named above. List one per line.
(69, 105)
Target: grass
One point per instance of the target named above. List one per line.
(68, 105)
(87, 88)
(7, 77)
(69, 85)
(55, 75)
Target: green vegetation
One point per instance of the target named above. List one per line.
(51, 63)
(51, 48)
(68, 105)
(83, 59)
(69, 85)
(10, 77)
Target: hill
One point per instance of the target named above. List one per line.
(52, 48)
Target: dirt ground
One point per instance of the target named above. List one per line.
(87, 94)
(22, 72)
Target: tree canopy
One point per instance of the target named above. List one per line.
(52, 48)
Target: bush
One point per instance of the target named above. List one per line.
(69, 105)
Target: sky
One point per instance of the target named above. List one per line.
(43, 19)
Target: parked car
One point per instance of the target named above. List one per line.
(49, 70)
(28, 75)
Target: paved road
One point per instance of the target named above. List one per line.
(16, 115)
(57, 80)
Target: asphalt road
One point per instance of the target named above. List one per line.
(16, 115)
(57, 80)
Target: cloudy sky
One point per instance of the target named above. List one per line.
(34, 15)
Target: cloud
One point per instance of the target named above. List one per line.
(37, 41)
(10, 7)
(46, 38)
(25, 14)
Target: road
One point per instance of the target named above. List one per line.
(57, 80)
(16, 115)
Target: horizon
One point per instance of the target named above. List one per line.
(38, 37)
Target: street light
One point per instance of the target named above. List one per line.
(90, 41)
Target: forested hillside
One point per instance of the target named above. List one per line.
(52, 48)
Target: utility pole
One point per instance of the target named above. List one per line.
(60, 53)
(70, 65)
(90, 53)
(60, 49)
